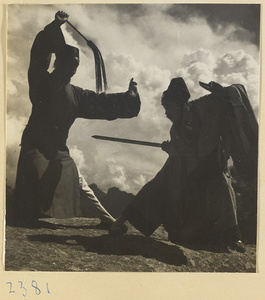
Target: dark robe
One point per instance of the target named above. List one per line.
(192, 195)
(47, 177)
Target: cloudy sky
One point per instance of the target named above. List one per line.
(151, 43)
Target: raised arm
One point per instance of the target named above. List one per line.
(48, 41)
(108, 106)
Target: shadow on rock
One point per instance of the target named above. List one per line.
(78, 226)
(33, 224)
(39, 224)
(207, 246)
(121, 245)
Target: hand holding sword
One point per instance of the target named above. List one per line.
(164, 146)
(61, 17)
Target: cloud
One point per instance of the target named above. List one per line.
(13, 132)
(241, 34)
(244, 17)
(200, 55)
(229, 68)
(240, 67)
(237, 61)
(152, 44)
(194, 73)
(78, 157)
(117, 174)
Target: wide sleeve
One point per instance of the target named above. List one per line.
(48, 41)
(107, 106)
(242, 131)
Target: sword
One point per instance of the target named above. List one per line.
(128, 141)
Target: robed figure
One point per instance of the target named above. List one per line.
(48, 181)
(192, 195)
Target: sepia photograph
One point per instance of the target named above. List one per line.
(132, 138)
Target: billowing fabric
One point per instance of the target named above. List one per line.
(46, 187)
(48, 182)
(192, 194)
(242, 133)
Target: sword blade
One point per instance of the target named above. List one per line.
(128, 141)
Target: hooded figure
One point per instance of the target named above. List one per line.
(192, 195)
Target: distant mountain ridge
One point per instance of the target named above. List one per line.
(114, 201)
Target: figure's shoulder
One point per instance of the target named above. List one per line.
(51, 26)
(202, 100)
(195, 105)
(75, 88)
(80, 91)
(209, 101)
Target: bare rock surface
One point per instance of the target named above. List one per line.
(79, 245)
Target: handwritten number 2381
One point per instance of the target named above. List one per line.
(34, 285)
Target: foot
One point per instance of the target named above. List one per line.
(118, 230)
(231, 238)
(237, 246)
